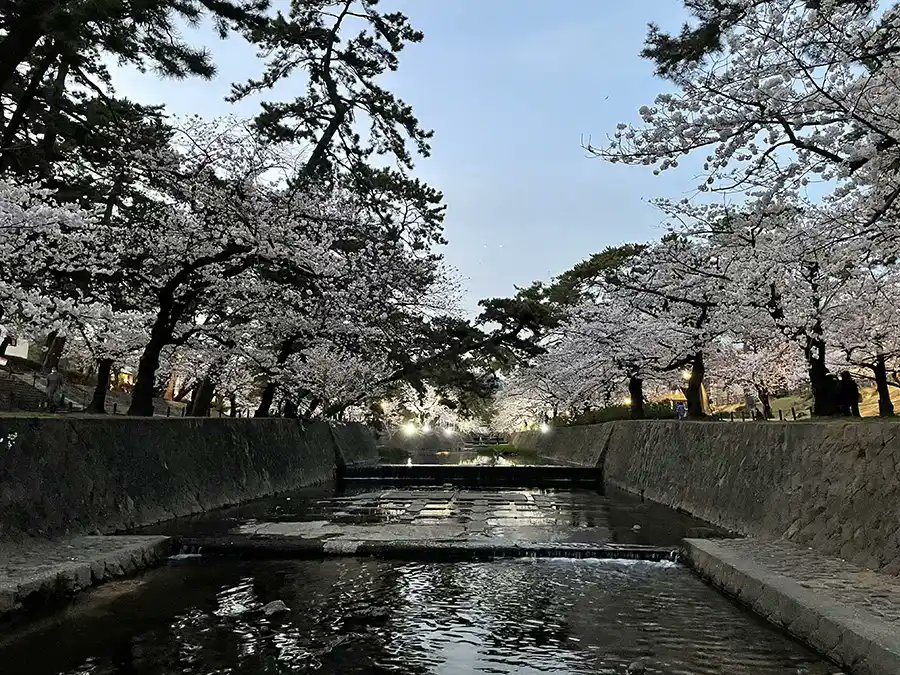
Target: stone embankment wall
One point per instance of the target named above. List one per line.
(64, 476)
(833, 486)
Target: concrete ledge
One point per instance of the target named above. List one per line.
(249, 546)
(849, 614)
(40, 574)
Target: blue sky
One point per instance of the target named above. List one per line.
(510, 88)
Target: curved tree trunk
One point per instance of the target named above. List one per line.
(202, 398)
(98, 400)
(636, 393)
(145, 382)
(142, 395)
(885, 405)
(268, 394)
(694, 393)
(4, 345)
(265, 401)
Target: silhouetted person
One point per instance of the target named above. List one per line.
(54, 385)
(750, 404)
(849, 395)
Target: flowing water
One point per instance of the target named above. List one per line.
(203, 616)
(353, 615)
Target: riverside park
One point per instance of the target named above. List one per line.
(357, 336)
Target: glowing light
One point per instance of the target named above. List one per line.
(409, 429)
(686, 375)
(626, 401)
(448, 432)
(426, 429)
(545, 428)
(409, 461)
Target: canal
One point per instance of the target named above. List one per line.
(206, 614)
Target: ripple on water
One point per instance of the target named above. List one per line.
(368, 616)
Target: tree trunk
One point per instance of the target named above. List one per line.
(16, 47)
(51, 126)
(7, 341)
(313, 406)
(232, 402)
(145, 382)
(23, 105)
(142, 394)
(885, 405)
(265, 400)
(766, 402)
(823, 384)
(694, 392)
(202, 398)
(54, 352)
(291, 408)
(182, 393)
(636, 392)
(98, 400)
(268, 393)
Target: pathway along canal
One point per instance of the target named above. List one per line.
(203, 615)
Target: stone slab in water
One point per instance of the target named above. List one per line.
(38, 573)
(846, 612)
(281, 548)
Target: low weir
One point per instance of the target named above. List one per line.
(474, 475)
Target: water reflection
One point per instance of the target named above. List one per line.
(482, 457)
(368, 616)
(521, 514)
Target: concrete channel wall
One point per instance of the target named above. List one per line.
(833, 486)
(67, 476)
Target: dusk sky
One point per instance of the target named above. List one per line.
(510, 87)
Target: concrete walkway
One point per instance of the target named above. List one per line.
(39, 573)
(850, 614)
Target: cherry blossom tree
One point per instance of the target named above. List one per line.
(869, 337)
(785, 92)
(45, 278)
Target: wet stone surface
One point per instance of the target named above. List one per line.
(354, 615)
(39, 572)
(850, 613)
(449, 514)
